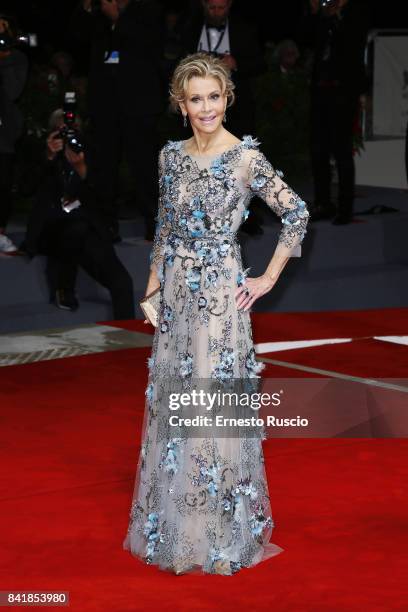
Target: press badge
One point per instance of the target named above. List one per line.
(112, 57)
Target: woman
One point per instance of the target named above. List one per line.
(202, 503)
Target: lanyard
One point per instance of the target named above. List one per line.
(221, 36)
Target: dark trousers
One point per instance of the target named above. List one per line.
(332, 117)
(6, 186)
(406, 152)
(113, 134)
(71, 242)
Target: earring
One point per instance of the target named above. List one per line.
(224, 119)
(185, 121)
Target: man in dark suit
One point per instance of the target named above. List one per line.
(338, 33)
(125, 97)
(215, 30)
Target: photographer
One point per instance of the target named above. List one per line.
(66, 224)
(13, 75)
(124, 97)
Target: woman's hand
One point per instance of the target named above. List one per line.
(152, 284)
(252, 289)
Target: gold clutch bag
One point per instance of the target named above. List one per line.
(151, 305)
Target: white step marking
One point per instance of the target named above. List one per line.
(273, 347)
(395, 339)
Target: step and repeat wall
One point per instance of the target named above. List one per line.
(390, 85)
(382, 163)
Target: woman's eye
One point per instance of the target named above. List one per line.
(195, 99)
(215, 96)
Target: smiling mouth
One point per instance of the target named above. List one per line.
(207, 119)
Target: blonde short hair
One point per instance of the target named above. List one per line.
(200, 65)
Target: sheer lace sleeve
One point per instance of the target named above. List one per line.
(163, 220)
(266, 182)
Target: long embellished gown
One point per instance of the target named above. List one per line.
(203, 503)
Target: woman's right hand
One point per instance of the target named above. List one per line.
(153, 282)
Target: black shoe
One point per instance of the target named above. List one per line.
(66, 299)
(342, 219)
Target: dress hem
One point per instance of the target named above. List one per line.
(268, 550)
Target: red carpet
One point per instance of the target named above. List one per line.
(70, 436)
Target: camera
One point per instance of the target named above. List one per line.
(70, 133)
(28, 39)
(12, 37)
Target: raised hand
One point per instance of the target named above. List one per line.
(4, 26)
(314, 6)
(229, 61)
(110, 9)
(54, 144)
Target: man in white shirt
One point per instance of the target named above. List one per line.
(218, 31)
(215, 31)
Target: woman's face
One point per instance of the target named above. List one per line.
(204, 103)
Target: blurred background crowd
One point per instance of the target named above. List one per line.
(84, 111)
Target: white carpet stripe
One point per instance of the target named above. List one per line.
(395, 339)
(333, 374)
(57, 344)
(272, 347)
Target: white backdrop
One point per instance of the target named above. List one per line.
(390, 95)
